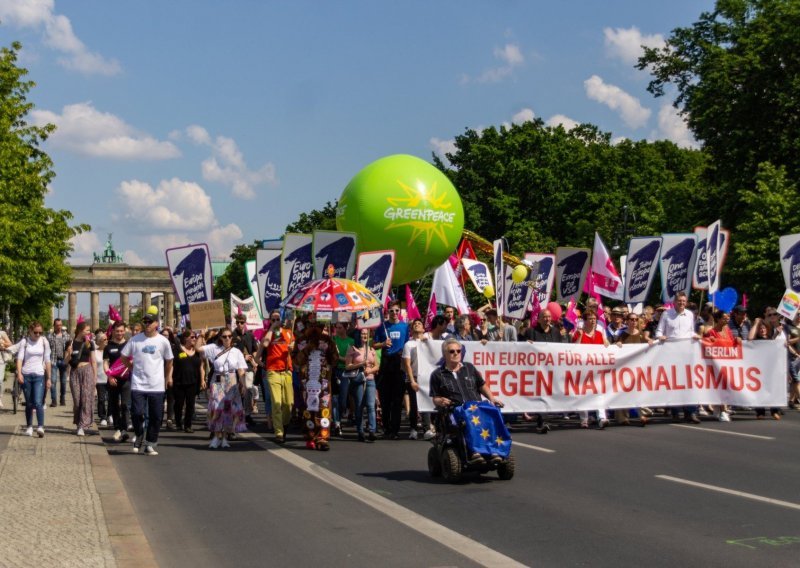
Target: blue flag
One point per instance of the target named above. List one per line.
(485, 432)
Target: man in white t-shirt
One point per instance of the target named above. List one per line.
(149, 355)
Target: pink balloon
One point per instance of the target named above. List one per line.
(555, 310)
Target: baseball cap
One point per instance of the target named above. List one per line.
(151, 314)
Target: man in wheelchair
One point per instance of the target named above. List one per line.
(480, 425)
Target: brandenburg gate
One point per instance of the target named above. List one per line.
(108, 274)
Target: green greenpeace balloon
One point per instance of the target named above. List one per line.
(404, 204)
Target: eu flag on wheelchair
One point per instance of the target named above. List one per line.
(484, 429)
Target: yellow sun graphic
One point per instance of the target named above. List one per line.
(414, 197)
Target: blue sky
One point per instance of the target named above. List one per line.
(219, 122)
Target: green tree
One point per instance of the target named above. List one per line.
(768, 214)
(737, 76)
(315, 220)
(234, 279)
(34, 239)
(543, 187)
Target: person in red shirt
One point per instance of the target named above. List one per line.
(591, 335)
(720, 335)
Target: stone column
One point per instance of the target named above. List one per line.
(72, 308)
(124, 307)
(169, 308)
(95, 310)
(145, 301)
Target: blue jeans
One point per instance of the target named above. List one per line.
(59, 376)
(33, 387)
(147, 407)
(340, 408)
(364, 393)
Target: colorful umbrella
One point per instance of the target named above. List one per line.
(328, 295)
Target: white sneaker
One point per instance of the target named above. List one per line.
(225, 443)
(44, 406)
(117, 436)
(724, 417)
(29, 431)
(150, 451)
(130, 428)
(702, 412)
(81, 432)
(110, 420)
(40, 432)
(412, 435)
(104, 423)
(429, 434)
(215, 443)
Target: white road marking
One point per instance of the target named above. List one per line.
(474, 551)
(714, 431)
(514, 444)
(742, 494)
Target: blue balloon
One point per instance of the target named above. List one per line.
(725, 299)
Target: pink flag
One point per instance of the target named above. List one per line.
(411, 305)
(605, 279)
(536, 309)
(744, 300)
(572, 315)
(81, 319)
(431, 312)
(113, 314)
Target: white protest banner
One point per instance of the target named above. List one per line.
(572, 264)
(556, 377)
(678, 257)
(268, 280)
(246, 307)
(789, 304)
(478, 273)
(252, 284)
(296, 265)
(713, 263)
(640, 267)
(499, 277)
(374, 271)
(517, 295)
(542, 274)
(190, 271)
(337, 249)
(448, 289)
(700, 274)
(790, 260)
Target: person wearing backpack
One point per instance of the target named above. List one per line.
(33, 373)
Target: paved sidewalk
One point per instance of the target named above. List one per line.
(62, 503)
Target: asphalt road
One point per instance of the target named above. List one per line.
(624, 496)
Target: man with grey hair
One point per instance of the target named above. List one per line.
(464, 328)
(457, 382)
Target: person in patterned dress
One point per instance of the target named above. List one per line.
(316, 358)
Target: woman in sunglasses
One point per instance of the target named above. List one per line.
(33, 373)
(225, 409)
(768, 328)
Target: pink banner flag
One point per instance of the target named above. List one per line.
(536, 309)
(411, 305)
(605, 279)
(431, 312)
(81, 319)
(572, 314)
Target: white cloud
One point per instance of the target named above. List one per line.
(227, 165)
(220, 240)
(58, 34)
(174, 204)
(629, 108)
(564, 121)
(525, 115)
(626, 43)
(672, 126)
(88, 131)
(84, 246)
(511, 57)
(132, 257)
(443, 147)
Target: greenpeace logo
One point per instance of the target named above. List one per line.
(722, 351)
(414, 214)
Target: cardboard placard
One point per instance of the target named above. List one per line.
(207, 315)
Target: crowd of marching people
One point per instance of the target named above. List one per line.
(322, 379)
